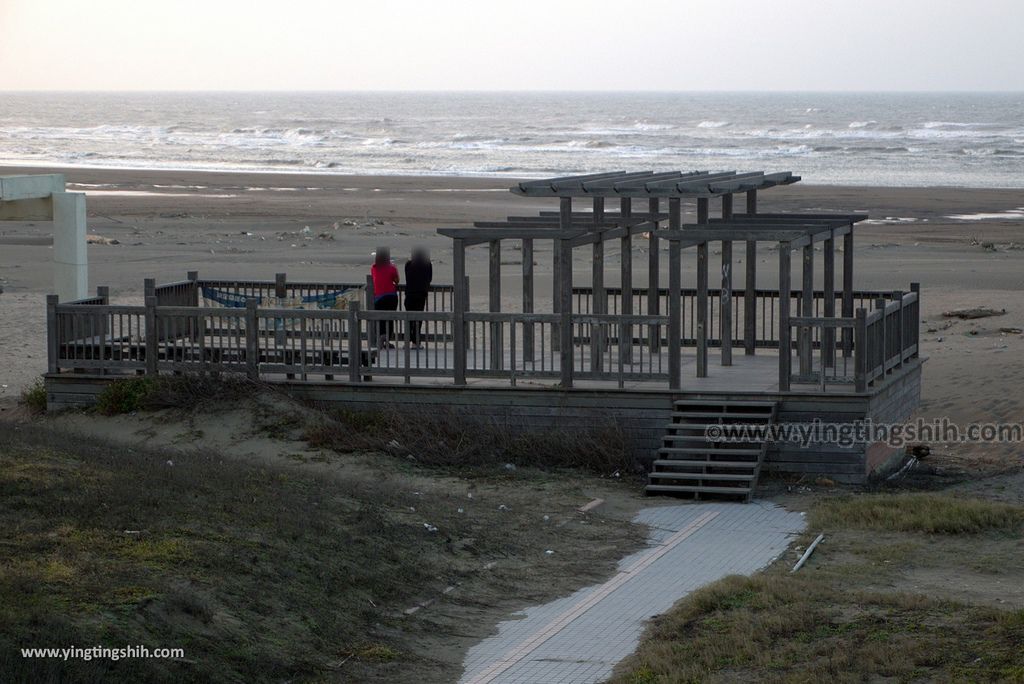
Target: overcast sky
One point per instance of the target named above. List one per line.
(511, 45)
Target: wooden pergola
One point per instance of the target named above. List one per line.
(568, 229)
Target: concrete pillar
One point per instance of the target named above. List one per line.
(70, 259)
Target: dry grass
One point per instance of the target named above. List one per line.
(189, 392)
(445, 439)
(917, 512)
(843, 617)
(34, 397)
(260, 571)
(797, 628)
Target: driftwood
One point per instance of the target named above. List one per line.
(969, 314)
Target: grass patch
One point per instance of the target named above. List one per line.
(189, 391)
(800, 628)
(443, 438)
(34, 397)
(916, 512)
(124, 396)
(261, 571)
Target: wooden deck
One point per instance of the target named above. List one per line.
(757, 373)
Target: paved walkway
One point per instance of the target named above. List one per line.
(579, 638)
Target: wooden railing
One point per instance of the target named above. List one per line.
(883, 340)
(172, 334)
(766, 310)
(439, 297)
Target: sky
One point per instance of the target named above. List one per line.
(793, 45)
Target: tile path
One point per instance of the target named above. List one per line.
(579, 638)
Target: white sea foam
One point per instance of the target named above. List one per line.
(840, 139)
(148, 193)
(1011, 215)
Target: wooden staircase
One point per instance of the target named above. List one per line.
(688, 463)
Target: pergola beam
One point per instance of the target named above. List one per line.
(476, 236)
(795, 220)
(838, 216)
(610, 216)
(654, 184)
(564, 181)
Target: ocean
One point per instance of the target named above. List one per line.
(852, 138)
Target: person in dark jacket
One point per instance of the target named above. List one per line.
(418, 274)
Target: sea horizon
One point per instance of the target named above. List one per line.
(909, 139)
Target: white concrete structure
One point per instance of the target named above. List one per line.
(43, 198)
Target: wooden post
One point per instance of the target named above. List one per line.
(461, 304)
(702, 294)
(151, 336)
(355, 352)
(52, 334)
(882, 341)
(564, 223)
(900, 338)
(847, 288)
(725, 304)
(750, 286)
(785, 287)
(828, 334)
(702, 310)
(252, 350)
(674, 307)
(804, 341)
(566, 315)
(494, 302)
(369, 293)
(599, 298)
(280, 335)
(626, 264)
(915, 320)
(675, 287)
(653, 275)
(527, 253)
(860, 362)
(103, 294)
(193, 277)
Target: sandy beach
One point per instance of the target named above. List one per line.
(161, 224)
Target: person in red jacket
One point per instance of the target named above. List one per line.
(385, 293)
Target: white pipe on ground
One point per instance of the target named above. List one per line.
(807, 553)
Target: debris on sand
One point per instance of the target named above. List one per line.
(1011, 331)
(100, 240)
(970, 314)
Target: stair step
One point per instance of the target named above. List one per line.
(689, 463)
(763, 417)
(697, 439)
(697, 489)
(703, 426)
(688, 441)
(702, 451)
(702, 476)
(767, 405)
